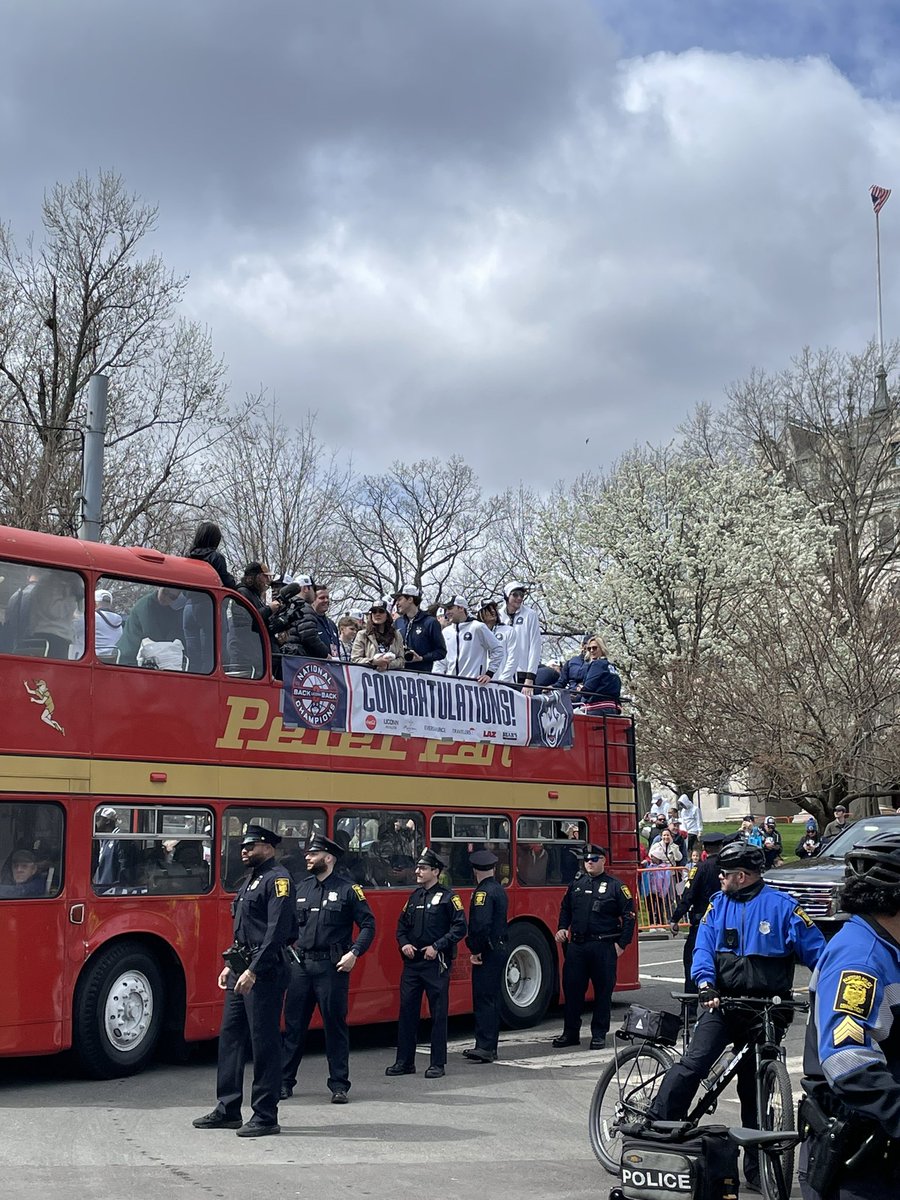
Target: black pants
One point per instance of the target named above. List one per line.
(311, 984)
(420, 977)
(687, 956)
(869, 1180)
(486, 983)
(251, 1023)
(589, 962)
(713, 1033)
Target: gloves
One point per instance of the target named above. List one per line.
(674, 928)
(707, 994)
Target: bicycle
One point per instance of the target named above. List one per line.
(629, 1084)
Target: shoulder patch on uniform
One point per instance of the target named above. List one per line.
(626, 892)
(457, 903)
(804, 917)
(849, 1031)
(855, 993)
(360, 894)
(478, 899)
(282, 888)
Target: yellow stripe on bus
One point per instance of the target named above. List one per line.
(102, 777)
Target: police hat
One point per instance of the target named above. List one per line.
(258, 833)
(321, 843)
(483, 860)
(591, 848)
(428, 858)
(712, 841)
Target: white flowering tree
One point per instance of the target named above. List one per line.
(664, 557)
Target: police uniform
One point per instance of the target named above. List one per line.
(851, 1060)
(702, 884)
(598, 912)
(327, 909)
(748, 943)
(264, 924)
(487, 938)
(432, 916)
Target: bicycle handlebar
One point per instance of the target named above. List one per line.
(760, 1002)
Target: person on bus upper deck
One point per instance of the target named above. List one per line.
(157, 616)
(422, 634)
(265, 923)
(205, 547)
(430, 925)
(348, 628)
(108, 624)
(328, 906)
(254, 585)
(472, 650)
(601, 683)
(574, 669)
(596, 924)
(748, 944)
(299, 628)
(328, 631)
(379, 645)
(16, 623)
(52, 611)
(523, 642)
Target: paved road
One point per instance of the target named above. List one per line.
(516, 1128)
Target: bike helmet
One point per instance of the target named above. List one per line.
(877, 860)
(741, 856)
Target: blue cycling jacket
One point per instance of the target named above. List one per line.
(853, 1036)
(748, 944)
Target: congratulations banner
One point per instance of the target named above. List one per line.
(321, 694)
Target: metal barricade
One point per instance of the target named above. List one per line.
(659, 888)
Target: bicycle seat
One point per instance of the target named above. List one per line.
(779, 1138)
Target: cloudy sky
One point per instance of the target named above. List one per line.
(491, 227)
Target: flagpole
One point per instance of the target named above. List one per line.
(878, 290)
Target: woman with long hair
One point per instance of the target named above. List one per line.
(379, 645)
(197, 615)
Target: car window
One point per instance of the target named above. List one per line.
(859, 831)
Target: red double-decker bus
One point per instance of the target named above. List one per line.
(142, 729)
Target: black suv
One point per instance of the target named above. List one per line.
(814, 882)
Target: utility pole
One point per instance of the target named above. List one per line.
(92, 461)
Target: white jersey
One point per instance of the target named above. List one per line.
(523, 643)
(472, 650)
(504, 634)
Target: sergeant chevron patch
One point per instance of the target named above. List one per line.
(849, 1031)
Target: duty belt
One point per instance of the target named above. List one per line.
(313, 955)
(580, 938)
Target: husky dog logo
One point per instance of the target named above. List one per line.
(553, 719)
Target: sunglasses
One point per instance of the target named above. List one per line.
(592, 857)
(733, 871)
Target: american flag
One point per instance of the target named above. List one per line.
(879, 197)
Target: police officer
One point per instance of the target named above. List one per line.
(851, 1060)
(748, 943)
(264, 924)
(596, 920)
(430, 925)
(328, 907)
(486, 939)
(702, 884)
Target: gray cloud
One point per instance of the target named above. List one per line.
(466, 227)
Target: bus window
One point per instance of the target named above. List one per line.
(151, 851)
(454, 836)
(243, 655)
(42, 612)
(295, 827)
(382, 847)
(548, 849)
(31, 850)
(165, 628)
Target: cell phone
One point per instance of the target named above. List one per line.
(409, 654)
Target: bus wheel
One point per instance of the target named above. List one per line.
(527, 978)
(118, 1011)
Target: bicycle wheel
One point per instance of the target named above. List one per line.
(776, 1172)
(624, 1092)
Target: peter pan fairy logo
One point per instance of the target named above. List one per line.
(855, 993)
(40, 694)
(315, 695)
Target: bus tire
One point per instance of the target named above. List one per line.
(527, 986)
(118, 1011)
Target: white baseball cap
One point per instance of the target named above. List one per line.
(459, 601)
(102, 596)
(408, 589)
(302, 580)
(513, 586)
